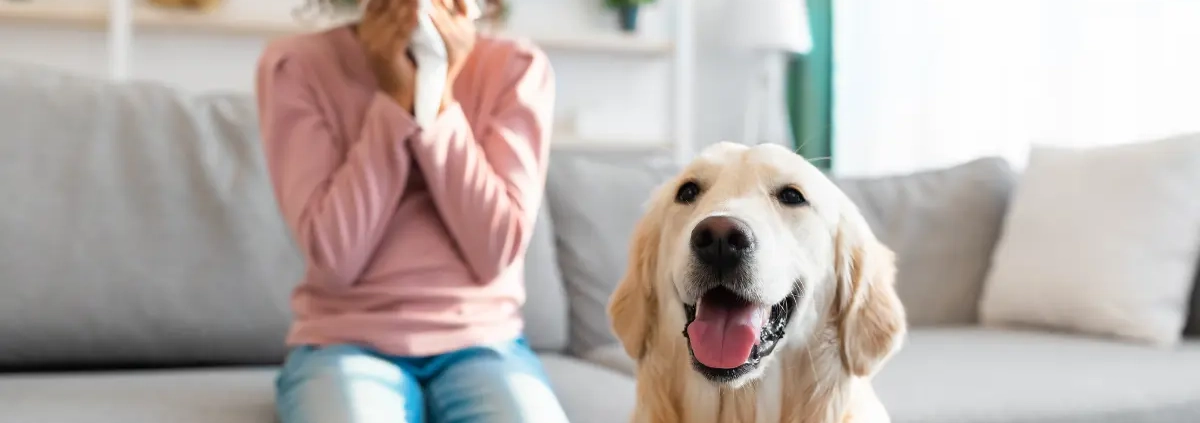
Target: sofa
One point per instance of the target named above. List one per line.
(145, 276)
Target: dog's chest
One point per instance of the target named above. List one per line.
(769, 400)
(762, 403)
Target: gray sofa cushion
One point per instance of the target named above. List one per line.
(545, 308)
(615, 358)
(943, 225)
(248, 395)
(1193, 327)
(180, 396)
(138, 227)
(590, 393)
(595, 203)
(974, 375)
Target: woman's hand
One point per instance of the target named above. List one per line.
(458, 31)
(384, 32)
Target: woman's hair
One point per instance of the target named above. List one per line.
(492, 9)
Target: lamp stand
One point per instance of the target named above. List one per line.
(765, 105)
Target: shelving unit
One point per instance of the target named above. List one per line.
(147, 18)
(121, 19)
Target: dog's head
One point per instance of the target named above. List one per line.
(745, 254)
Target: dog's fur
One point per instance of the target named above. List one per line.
(848, 322)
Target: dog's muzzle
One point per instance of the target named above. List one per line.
(722, 244)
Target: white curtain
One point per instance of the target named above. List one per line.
(921, 84)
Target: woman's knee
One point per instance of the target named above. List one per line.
(494, 386)
(345, 384)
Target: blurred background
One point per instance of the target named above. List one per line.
(890, 86)
(1035, 165)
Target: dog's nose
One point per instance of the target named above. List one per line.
(721, 242)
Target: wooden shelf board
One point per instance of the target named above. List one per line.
(30, 12)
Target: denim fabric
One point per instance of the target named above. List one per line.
(498, 383)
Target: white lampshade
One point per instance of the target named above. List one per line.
(776, 25)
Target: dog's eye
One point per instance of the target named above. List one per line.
(790, 197)
(687, 193)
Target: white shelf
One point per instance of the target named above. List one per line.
(575, 143)
(601, 42)
(41, 12)
(125, 25)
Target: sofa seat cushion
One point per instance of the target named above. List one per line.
(589, 392)
(973, 375)
(246, 395)
(187, 396)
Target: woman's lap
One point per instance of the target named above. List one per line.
(344, 384)
(503, 383)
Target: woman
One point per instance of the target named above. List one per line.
(414, 237)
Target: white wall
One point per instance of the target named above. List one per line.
(631, 91)
(721, 77)
(962, 80)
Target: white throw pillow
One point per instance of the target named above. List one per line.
(1101, 241)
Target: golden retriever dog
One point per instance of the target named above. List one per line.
(756, 293)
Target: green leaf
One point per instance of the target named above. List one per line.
(617, 4)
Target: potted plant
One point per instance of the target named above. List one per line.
(627, 12)
(498, 19)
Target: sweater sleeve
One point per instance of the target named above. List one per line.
(335, 195)
(488, 185)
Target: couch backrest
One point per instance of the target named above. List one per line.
(943, 225)
(1193, 326)
(139, 229)
(595, 203)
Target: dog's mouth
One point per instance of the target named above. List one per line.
(728, 336)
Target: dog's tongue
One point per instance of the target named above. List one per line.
(723, 335)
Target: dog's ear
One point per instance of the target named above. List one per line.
(871, 320)
(633, 307)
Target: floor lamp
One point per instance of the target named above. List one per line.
(770, 30)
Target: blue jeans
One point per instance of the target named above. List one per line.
(499, 383)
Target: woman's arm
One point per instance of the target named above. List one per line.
(337, 201)
(488, 189)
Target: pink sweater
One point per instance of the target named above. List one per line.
(414, 238)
